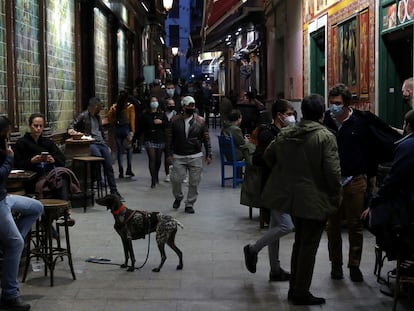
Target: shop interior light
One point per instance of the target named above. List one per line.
(174, 51)
(162, 40)
(168, 4)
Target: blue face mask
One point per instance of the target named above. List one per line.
(191, 89)
(154, 105)
(170, 92)
(336, 110)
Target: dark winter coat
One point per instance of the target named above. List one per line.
(305, 173)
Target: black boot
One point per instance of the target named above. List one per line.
(14, 304)
(129, 172)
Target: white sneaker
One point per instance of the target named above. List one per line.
(167, 178)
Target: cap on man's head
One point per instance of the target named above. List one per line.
(187, 100)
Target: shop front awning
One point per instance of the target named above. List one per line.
(216, 11)
(224, 16)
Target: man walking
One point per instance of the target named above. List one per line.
(280, 223)
(304, 182)
(186, 134)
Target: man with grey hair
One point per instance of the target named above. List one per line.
(185, 135)
(89, 122)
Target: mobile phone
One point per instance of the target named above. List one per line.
(44, 155)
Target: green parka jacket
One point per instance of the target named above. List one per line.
(305, 172)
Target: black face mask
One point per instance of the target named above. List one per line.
(189, 111)
(170, 108)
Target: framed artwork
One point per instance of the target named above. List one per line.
(347, 48)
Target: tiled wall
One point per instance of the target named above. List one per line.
(27, 57)
(60, 39)
(101, 57)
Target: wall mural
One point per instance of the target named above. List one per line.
(60, 39)
(101, 57)
(348, 54)
(3, 63)
(27, 58)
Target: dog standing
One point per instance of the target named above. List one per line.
(132, 224)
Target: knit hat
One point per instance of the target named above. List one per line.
(187, 101)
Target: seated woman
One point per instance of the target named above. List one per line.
(244, 148)
(41, 155)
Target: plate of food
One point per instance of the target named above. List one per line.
(402, 11)
(410, 9)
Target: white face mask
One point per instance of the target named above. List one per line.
(290, 120)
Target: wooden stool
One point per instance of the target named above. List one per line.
(91, 164)
(43, 243)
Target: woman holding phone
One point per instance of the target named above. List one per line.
(41, 155)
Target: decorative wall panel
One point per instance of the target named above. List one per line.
(27, 58)
(101, 57)
(60, 38)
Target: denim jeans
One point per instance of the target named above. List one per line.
(122, 132)
(194, 166)
(102, 150)
(12, 235)
(280, 225)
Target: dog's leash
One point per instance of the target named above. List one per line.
(105, 261)
(149, 243)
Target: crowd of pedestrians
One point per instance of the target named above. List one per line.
(309, 174)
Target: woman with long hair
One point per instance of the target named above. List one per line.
(154, 123)
(122, 118)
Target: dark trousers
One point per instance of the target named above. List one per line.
(307, 237)
(353, 203)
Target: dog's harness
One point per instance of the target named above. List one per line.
(145, 215)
